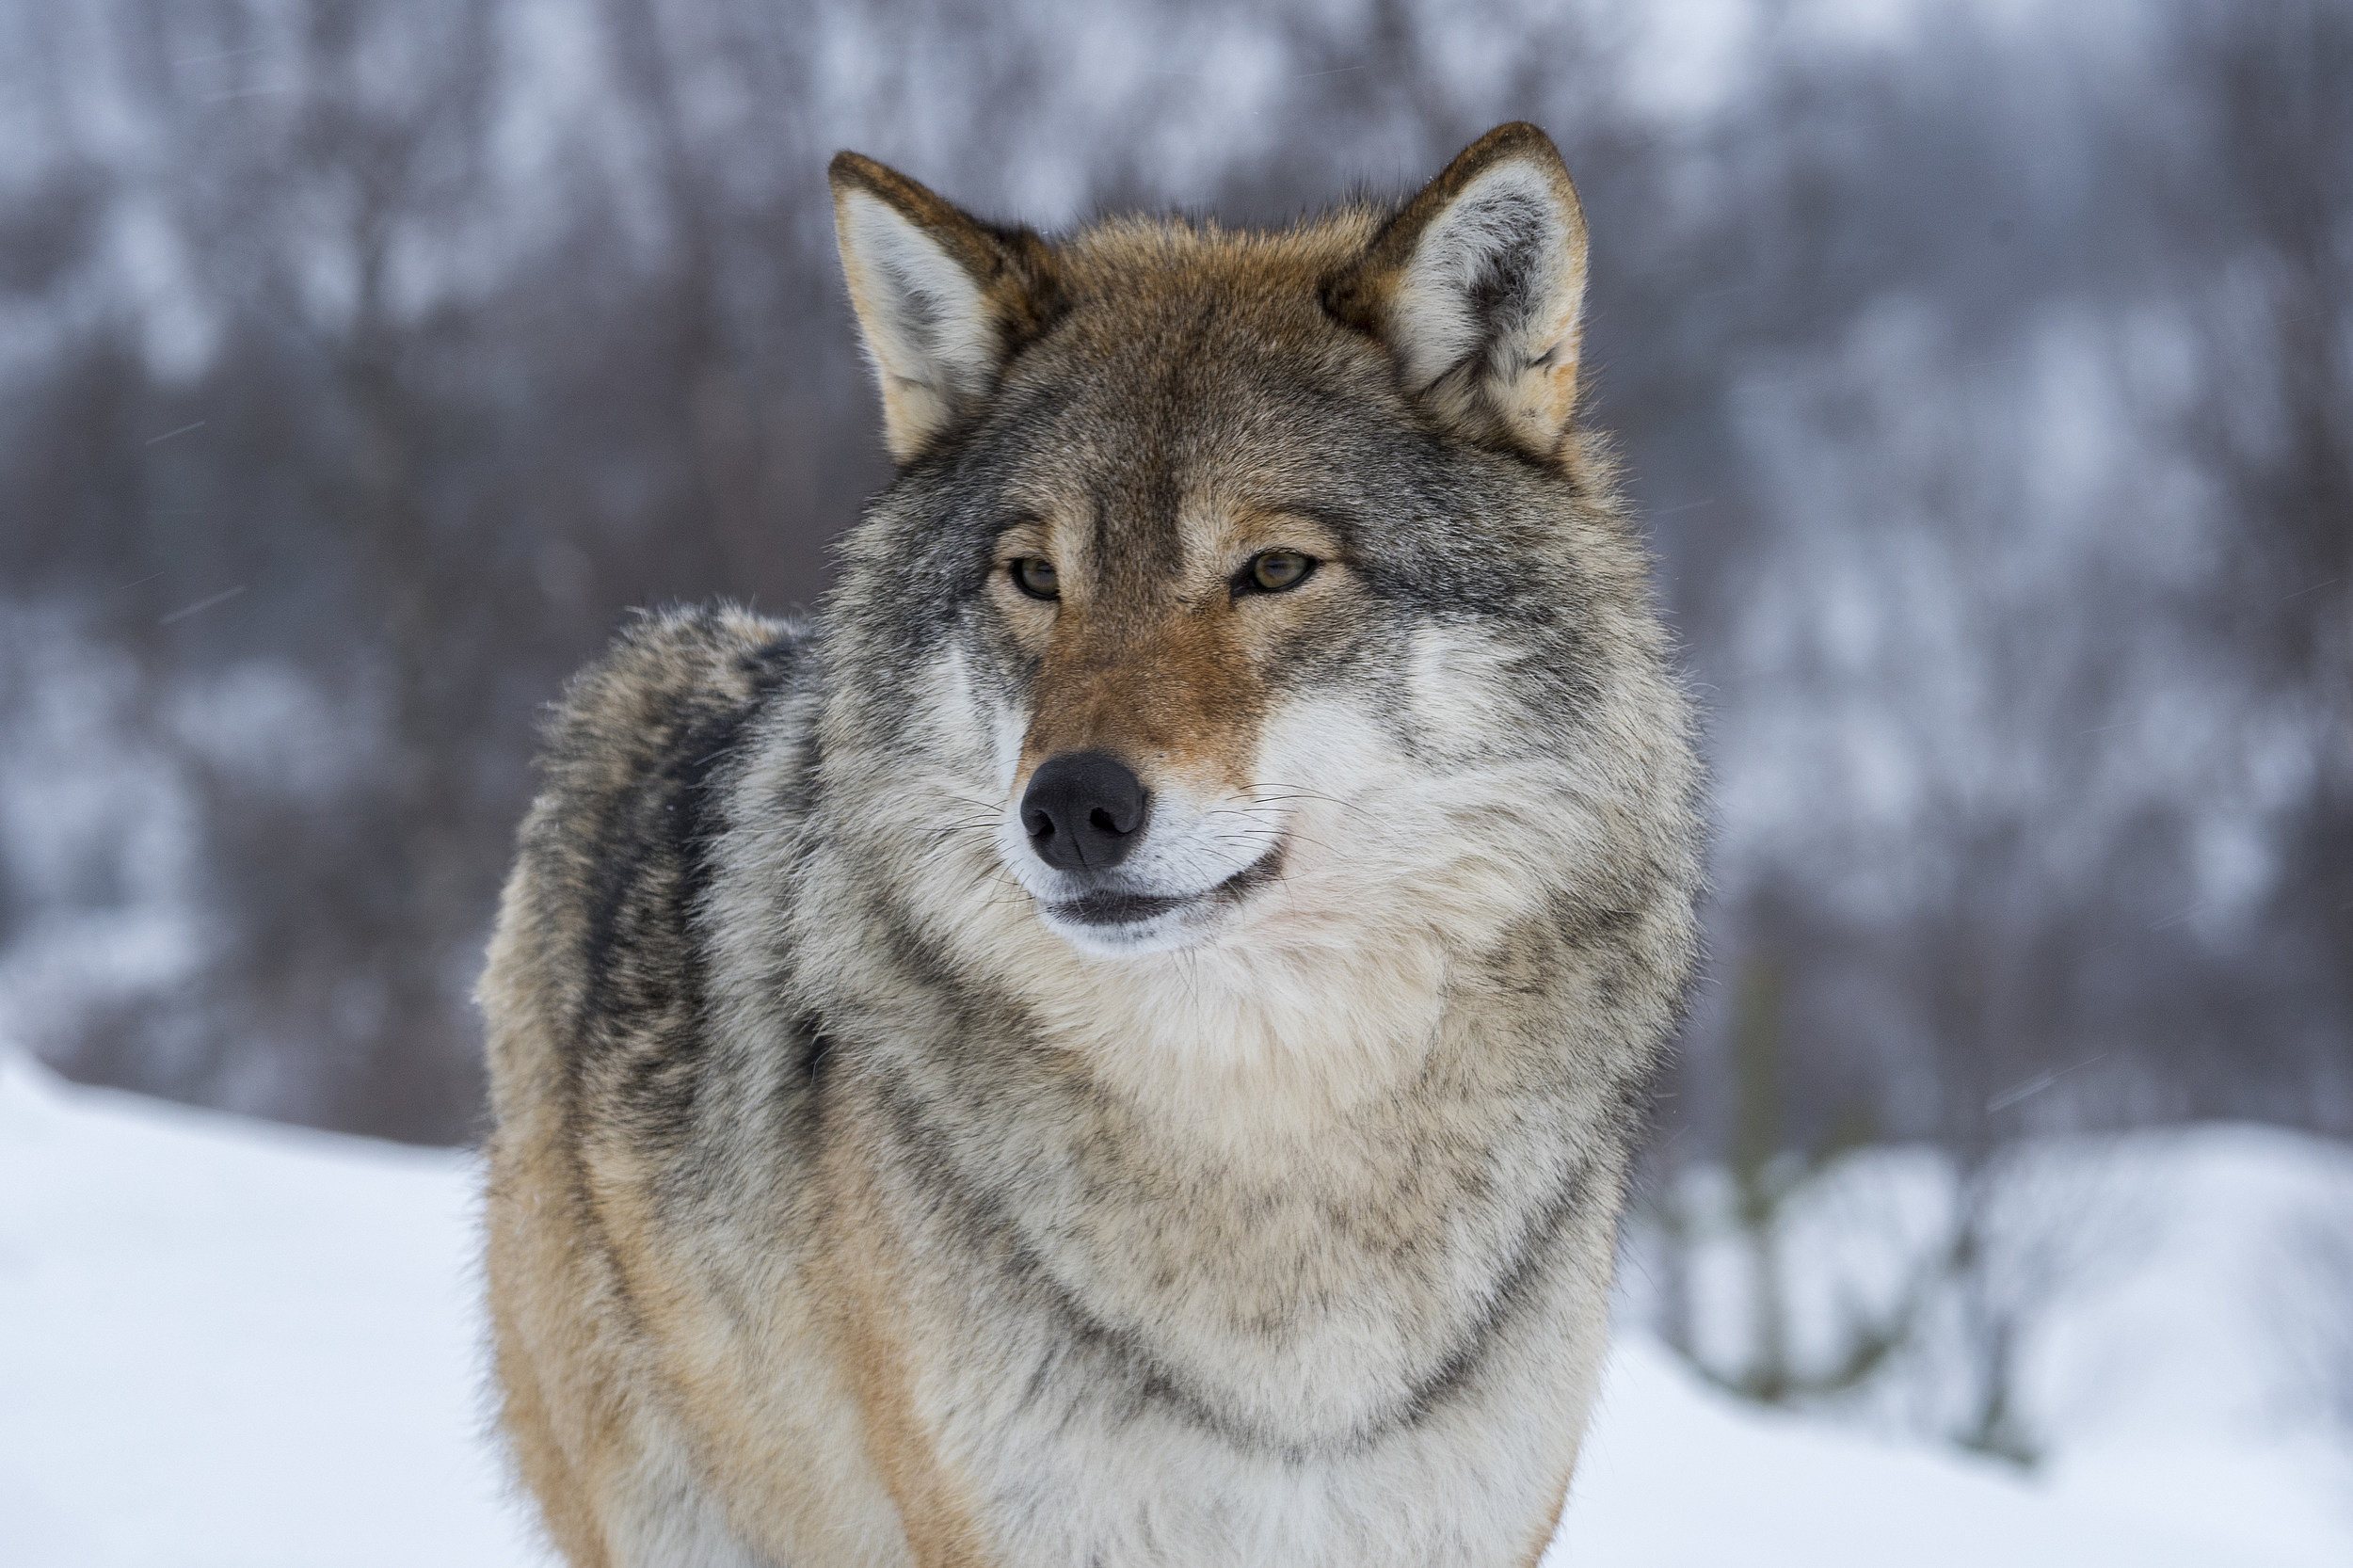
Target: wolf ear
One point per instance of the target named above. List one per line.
(943, 299)
(1475, 287)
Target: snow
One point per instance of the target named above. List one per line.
(223, 1341)
(1676, 1475)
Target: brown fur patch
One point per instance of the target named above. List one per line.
(1173, 698)
(869, 1325)
(535, 1426)
(561, 1400)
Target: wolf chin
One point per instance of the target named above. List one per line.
(1118, 1042)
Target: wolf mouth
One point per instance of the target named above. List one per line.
(1110, 907)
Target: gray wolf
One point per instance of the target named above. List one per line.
(1118, 1042)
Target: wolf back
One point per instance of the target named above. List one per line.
(1120, 1041)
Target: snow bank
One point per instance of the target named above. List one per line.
(228, 1342)
(1676, 1475)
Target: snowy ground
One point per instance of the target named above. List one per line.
(223, 1342)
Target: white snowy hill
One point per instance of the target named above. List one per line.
(224, 1342)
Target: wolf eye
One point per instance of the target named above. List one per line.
(1035, 575)
(1272, 571)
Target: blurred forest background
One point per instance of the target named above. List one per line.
(1985, 370)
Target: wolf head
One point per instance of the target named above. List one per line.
(1247, 593)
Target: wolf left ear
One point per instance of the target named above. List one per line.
(943, 299)
(1476, 285)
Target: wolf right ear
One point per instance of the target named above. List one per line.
(942, 298)
(1476, 288)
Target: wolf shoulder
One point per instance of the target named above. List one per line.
(595, 946)
(653, 716)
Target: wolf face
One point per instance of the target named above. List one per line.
(1251, 589)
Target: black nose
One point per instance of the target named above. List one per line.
(1082, 810)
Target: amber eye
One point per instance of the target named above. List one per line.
(1035, 575)
(1271, 571)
